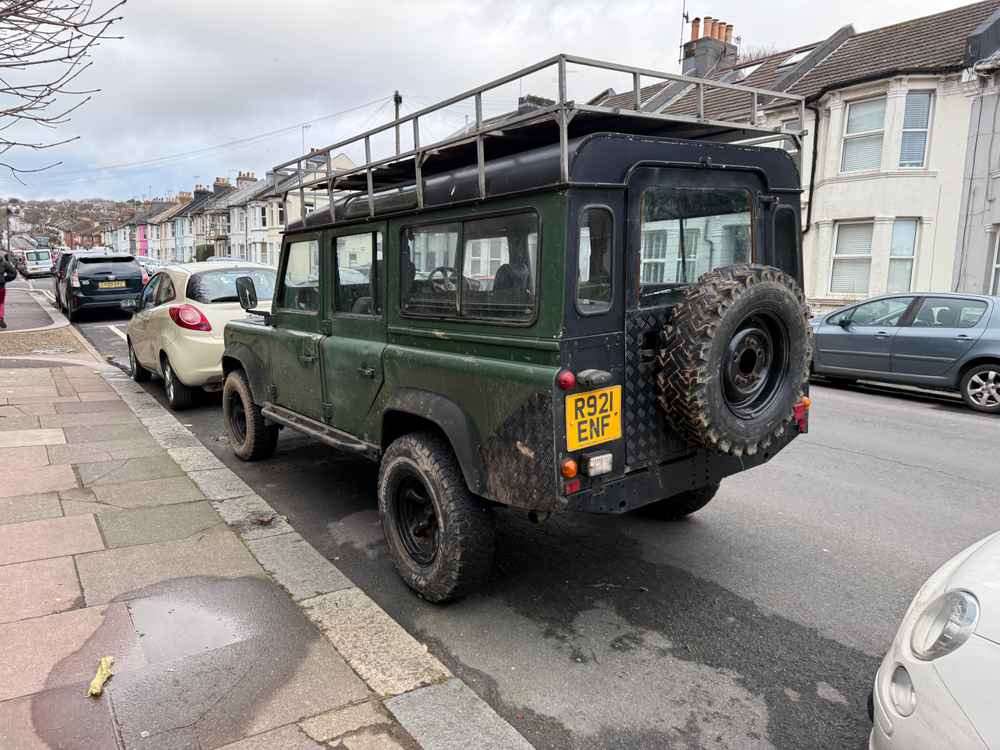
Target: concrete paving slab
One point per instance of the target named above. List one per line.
(65, 648)
(24, 438)
(21, 508)
(129, 470)
(92, 407)
(297, 566)
(77, 453)
(97, 433)
(174, 437)
(148, 493)
(57, 718)
(388, 658)
(450, 716)
(88, 419)
(98, 396)
(219, 484)
(195, 459)
(16, 460)
(41, 587)
(82, 508)
(373, 739)
(288, 738)
(29, 391)
(251, 517)
(22, 422)
(125, 528)
(40, 479)
(116, 572)
(37, 410)
(49, 537)
(341, 721)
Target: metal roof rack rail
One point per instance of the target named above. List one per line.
(315, 171)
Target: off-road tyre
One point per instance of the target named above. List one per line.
(250, 435)
(179, 396)
(732, 314)
(681, 505)
(982, 376)
(464, 532)
(139, 373)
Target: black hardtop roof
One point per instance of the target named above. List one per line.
(604, 159)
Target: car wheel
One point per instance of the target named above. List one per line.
(139, 373)
(981, 388)
(250, 436)
(71, 313)
(179, 396)
(680, 506)
(441, 537)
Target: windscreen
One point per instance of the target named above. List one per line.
(220, 285)
(686, 232)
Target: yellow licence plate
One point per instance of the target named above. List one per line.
(593, 417)
(110, 284)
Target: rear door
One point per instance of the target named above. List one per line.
(682, 223)
(297, 313)
(352, 353)
(942, 332)
(859, 341)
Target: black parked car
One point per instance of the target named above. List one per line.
(98, 279)
(934, 340)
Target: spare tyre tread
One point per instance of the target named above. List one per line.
(685, 370)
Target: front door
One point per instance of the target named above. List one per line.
(138, 326)
(859, 341)
(352, 354)
(296, 374)
(942, 331)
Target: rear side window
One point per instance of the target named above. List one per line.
(949, 312)
(685, 232)
(595, 251)
(786, 241)
(359, 271)
(480, 269)
(220, 285)
(301, 281)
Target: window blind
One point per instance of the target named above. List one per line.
(850, 276)
(865, 116)
(862, 153)
(918, 110)
(854, 239)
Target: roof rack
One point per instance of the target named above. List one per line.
(315, 170)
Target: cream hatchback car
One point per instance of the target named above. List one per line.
(177, 325)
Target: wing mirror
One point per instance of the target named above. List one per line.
(844, 322)
(247, 293)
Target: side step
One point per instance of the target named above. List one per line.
(322, 432)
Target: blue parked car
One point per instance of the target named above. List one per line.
(941, 341)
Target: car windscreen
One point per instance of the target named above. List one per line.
(38, 255)
(220, 285)
(118, 266)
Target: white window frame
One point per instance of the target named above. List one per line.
(995, 280)
(845, 136)
(834, 257)
(926, 131)
(912, 257)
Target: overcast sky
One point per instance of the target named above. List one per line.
(191, 75)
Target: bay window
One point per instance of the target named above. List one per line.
(863, 131)
(901, 252)
(852, 256)
(916, 124)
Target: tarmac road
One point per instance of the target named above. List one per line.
(759, 622)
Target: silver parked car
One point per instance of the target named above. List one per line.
(941, 341)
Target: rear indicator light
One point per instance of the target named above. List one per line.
(568, 469)
(801, 413)
(74, 280)
(145, 277)
(190, 317)
(566, 380)
(570, 487)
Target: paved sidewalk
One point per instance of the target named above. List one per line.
(120, 535)
(21, 311)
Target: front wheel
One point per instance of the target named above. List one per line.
(179, 396)
(440, 536)
(251, 437)
(981, 388)
(681, 505)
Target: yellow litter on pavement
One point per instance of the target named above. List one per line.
(103, 673)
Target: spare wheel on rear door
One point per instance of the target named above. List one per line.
(734, 358)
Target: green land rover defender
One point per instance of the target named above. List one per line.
(573, 308)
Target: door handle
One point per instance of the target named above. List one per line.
(963, 337)
(368, 372)
(881, 335)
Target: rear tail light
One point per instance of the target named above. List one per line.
(74, 280)
(145, 277)
(190, 317)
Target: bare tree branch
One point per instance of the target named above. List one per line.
(45, 45)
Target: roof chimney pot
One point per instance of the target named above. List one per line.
(695, 29)
(729, 33)
(708, 28)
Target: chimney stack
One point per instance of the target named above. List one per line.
(710, 48)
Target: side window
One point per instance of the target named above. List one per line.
(428, 275)
(884, 313)
(949, 312)
(300, 284)
(595, 251)
(499, 268)
(166, 291)
(149, 292)
(359, 273)
(786, 241)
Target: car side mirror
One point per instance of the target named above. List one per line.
(844, 323)
(247, 293)
(129, 305)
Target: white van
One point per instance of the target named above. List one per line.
(37, 263)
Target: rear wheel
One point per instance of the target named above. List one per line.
(440, 536)
(139, 373)
(251, 437)
(681, 505)
(179, 396)
(981, 388)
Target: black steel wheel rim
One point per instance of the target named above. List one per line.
(416, 519)
(755, 365)
(237, 418)
(131, 359)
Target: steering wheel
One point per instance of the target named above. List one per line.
(448, 281)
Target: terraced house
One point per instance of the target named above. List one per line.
(891, 116)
